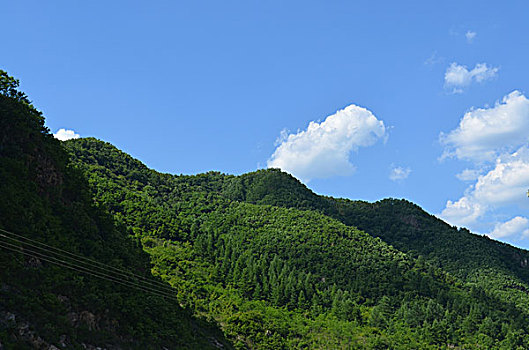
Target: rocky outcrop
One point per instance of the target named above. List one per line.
(410, 220)
(22, 332)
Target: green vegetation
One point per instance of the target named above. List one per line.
(254, 261)
(499, 269)
(272, 263)
(46, 199)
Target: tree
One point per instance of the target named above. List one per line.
(380, 314)
(9, 88)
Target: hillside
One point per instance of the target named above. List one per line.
(51, 296)
(278, 267)
(498, 268)
(256, 261)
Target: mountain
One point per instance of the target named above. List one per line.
(51, 295)
(98, 250)
(279, 267)
(500, 269)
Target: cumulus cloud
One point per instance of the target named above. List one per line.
(458, 76)
(517, 225)
(504, 185)
(470, 35)
(323, 149)
(484, 133)
(507, 182)
(399, 173)
(64, 134)
(463, 212)
(495, 139)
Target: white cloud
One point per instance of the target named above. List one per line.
(495, 139)
(468, 175)
(470, 35)
(517, 225)
(434, 59)
(484, 133)
(457, 76)
(323, 149)
(463, 212)
(482, 72)
(63, 135)
(504, 185)
(507, 182)
(399, 173)
(283, 135)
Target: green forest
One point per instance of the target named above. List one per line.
(256, 261)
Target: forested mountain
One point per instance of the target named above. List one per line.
(256, 261)
(280, 267)
(499, 268)
(51, 299)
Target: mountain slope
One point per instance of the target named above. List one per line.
(499, 268)
(52, 298)
(277, 277)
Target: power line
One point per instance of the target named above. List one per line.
(103, 272)
(71, 265)
(82, 259)
(125, 283)
(58, 262)
(45, 257)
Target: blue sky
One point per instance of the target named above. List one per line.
(426, 101)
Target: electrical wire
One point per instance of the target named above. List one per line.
(82, 259)
(59, 263)
(39, 255)
(71, 265)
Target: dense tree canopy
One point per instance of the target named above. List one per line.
(272, 262)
